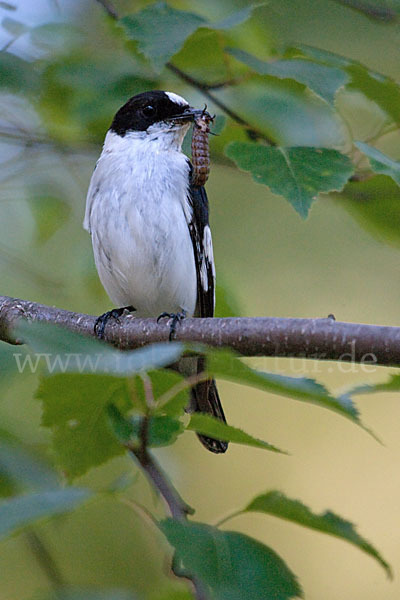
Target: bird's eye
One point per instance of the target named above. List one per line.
(149, 111)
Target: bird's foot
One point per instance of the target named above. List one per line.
(101, 322)
(175, 319)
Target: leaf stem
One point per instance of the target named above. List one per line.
(140, 510)
(228, 517)
(176, 505)
(188, 382)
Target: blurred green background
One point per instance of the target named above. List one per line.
(269, 261)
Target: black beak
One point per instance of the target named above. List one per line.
(190, 114)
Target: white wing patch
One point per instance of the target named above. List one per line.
(208, 258)
(177, 99)
(204, 276)
(208, 247)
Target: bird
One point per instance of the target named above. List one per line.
(150, 229)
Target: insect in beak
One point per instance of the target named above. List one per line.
(191, 114)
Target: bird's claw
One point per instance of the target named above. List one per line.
(175, 319)
(101, 322)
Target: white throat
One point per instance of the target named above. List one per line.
(157, 138)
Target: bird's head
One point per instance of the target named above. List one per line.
(155, 113)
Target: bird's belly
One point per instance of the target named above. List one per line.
(144, 257)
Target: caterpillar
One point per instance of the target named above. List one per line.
(200, 149)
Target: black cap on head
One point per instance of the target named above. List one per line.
(143, 110)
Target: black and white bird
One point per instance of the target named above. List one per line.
(149, 225)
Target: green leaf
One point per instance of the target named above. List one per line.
(7, 484)
(24, 510)
(277, 504)
(72, 82)
(161, 30)
(322, 80)
(392, 385)
(237, 18)
(161, 430)
(16, 75)
(375, 203)
(382, 90)
(175, 593)
(67, 352)
(232, 565)
(21, 468)
(297, 173)
(224, 364)
(75, 408)
(380, 163)
(167, 402)
(56, 36)
(121, 426)
(8, 361)
(378, 88)
(322, 56)
(214, 428)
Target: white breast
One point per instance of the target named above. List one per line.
(137, 213)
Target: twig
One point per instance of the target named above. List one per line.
(44, 559)
(204, 88)
(32, 140)
(218, 85)
(316, 339)
(28, 140)
(370, 9)
(177, 506)
(109, 8)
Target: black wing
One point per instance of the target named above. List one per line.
(205, 398)
(203, 253)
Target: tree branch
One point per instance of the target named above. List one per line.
(204, 88)
(318, 339)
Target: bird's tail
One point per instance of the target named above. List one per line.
(205, 399)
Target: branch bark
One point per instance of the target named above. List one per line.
(318, 339)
